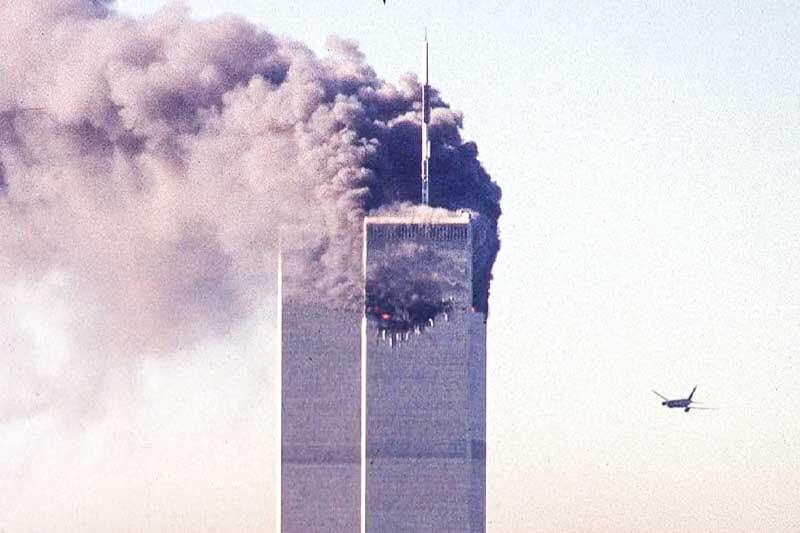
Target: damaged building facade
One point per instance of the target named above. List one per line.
(384, 410)
(383, 402)
(424, 401)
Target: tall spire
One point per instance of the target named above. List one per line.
(426, 119)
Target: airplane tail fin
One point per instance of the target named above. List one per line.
(692, 394)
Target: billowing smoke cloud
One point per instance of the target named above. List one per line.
(163, 156)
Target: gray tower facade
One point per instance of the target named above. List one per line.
(383, 408)
(320, 434)
(402, 450)
(424, 393)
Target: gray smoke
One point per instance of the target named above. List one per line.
(165, 155)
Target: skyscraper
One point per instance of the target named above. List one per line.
(383, 407)
(320, 411)
(402, 449)
(424, 392)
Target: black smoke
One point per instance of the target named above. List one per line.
(166, 155)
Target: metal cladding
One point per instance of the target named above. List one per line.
(420, 373)
(423, 378)
(320, 402)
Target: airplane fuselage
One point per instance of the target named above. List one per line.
(682, 403)
(677, 403)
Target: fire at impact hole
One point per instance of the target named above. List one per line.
(418, 273)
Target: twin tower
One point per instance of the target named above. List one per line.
(383, 408)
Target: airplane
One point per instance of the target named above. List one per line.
(683, 403)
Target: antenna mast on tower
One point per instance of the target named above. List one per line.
(426, 119)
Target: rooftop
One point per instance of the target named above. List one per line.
(439, 216)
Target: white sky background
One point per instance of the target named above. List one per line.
(650, 239)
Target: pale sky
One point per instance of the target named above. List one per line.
(649, 160)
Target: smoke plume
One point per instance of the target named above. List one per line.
(151, 163)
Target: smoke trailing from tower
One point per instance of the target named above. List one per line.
(165, 155)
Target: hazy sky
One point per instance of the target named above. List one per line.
(649, 163)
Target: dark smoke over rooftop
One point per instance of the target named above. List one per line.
(167, 154)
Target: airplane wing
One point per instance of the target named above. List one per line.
(660, 395)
